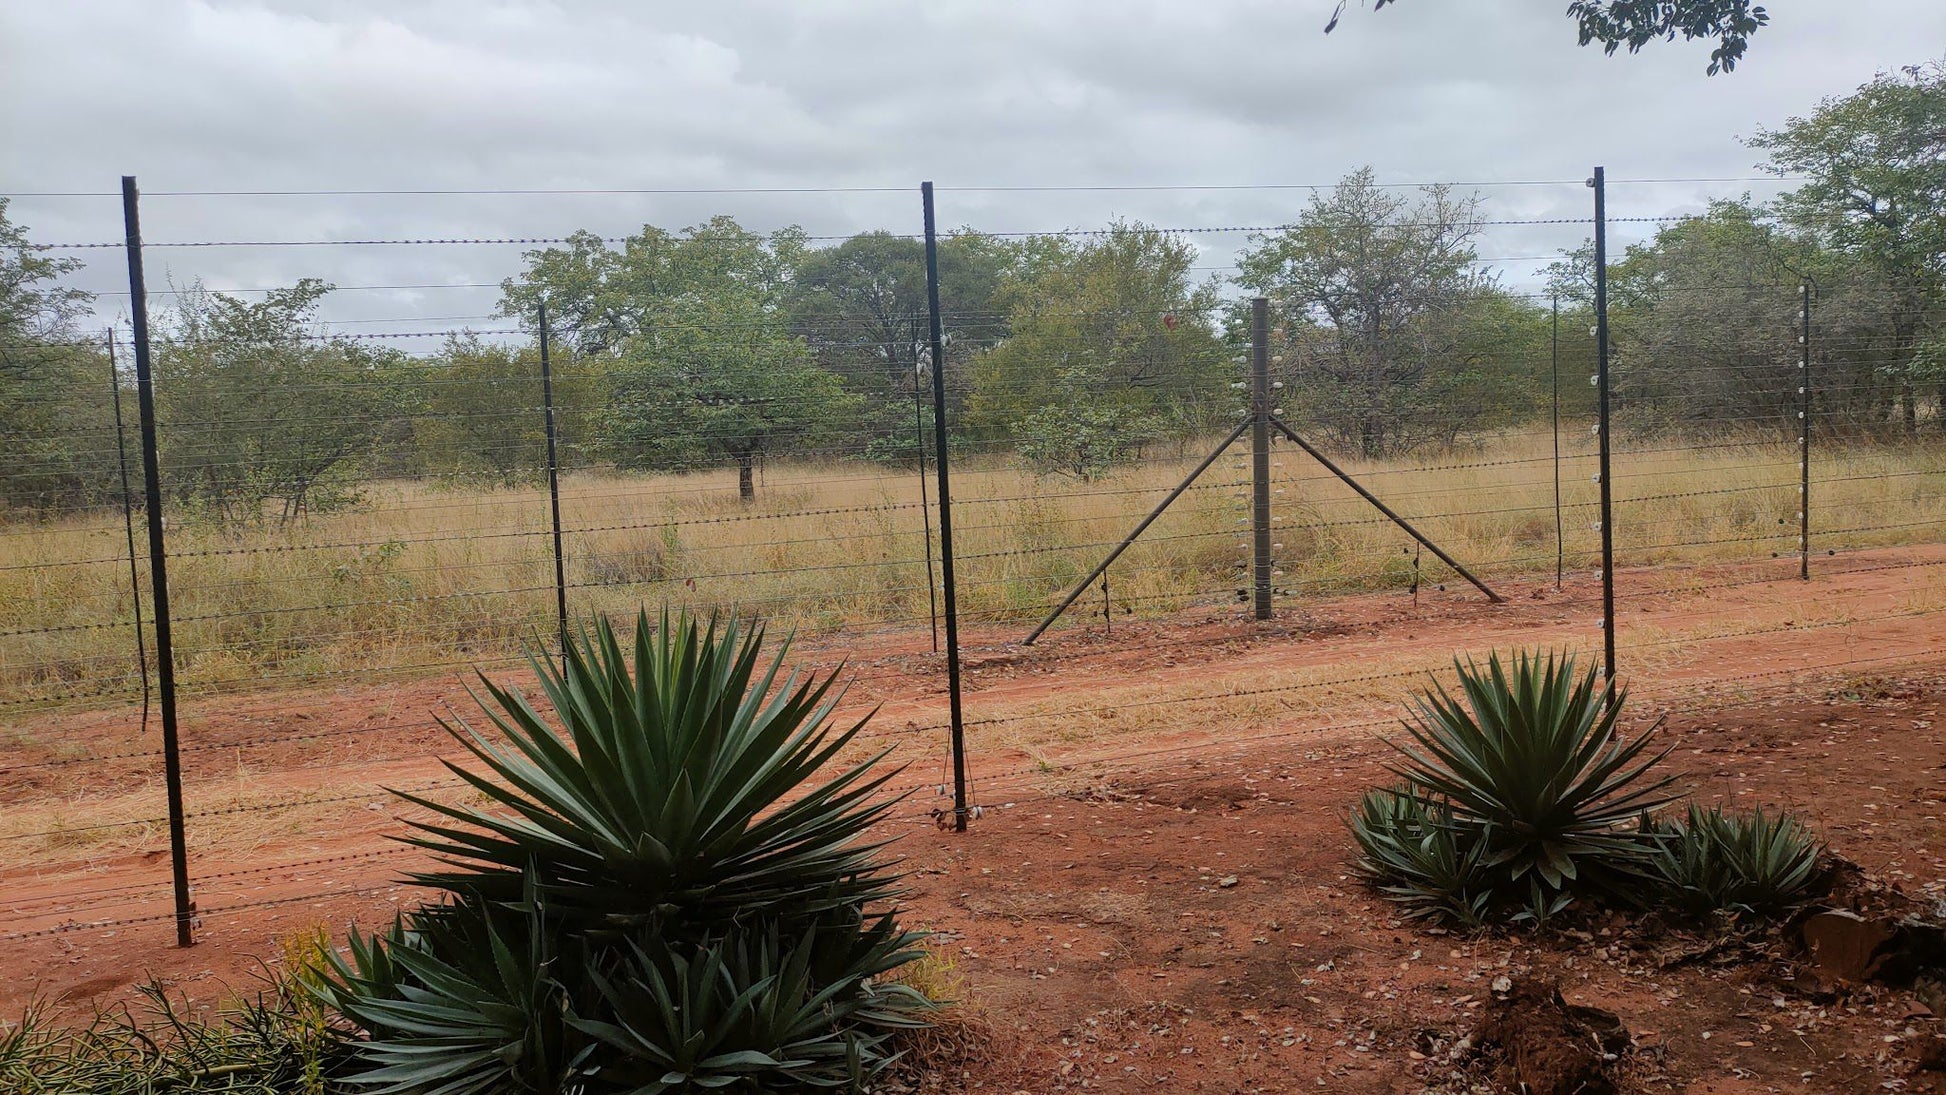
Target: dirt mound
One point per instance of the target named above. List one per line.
(1540, 1044)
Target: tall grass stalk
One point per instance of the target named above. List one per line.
(423, 576)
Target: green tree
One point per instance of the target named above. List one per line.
(262, 415)
(1636, 23)
(1381, 306)
(485, 413)
(862, 308)
(57, 440)
(1709, 329)
(692, 332)
(1109, 335)
(1874, 165)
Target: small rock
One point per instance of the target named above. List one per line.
(1844, 944)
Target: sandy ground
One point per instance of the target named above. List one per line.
(1156, 894)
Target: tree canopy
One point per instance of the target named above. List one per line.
(1636, 23)
(261, 414)
(1390, 332)
(56, 435)
(1873, 190)
(1111, 345)
(694, 328)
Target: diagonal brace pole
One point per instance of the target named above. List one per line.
(1189, 479)
(1384, 509)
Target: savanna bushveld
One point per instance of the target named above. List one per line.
(696, 842)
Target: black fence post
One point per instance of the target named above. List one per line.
(554, 488)
(158, 566)
(1600, 184)
(1260, 562)
(1804, 434)
(958, 722)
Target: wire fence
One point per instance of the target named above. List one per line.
(356, 511)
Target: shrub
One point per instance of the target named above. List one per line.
(1415, 854)
(1753, 864)
(1518, 796)
(661, 895)
(278, 1042)
(1083, 442)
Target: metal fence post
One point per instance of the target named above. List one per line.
(945, 511)
(158, 566)
(1260, 456)
(554, 487)
(1600, 184)
(1804, 434)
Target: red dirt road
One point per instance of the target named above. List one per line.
(1156, 896)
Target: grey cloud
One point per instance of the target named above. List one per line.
(609, 93)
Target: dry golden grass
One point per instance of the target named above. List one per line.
(420, 577)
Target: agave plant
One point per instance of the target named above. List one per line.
(665, 893)
(680, 791)
(1533, 759)
(754, 1009)
(1415, 854)
(1516, 795)
(1754, 864)
(465, 999)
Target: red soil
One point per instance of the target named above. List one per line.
(1168, 913)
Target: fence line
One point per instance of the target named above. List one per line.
(424, 571)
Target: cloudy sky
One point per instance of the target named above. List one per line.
(1189, 108)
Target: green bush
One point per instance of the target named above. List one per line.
(278, 1042)
(1415, 854)
(1519, 795)
(662, 895)
(1753, 864)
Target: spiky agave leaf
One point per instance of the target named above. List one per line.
(1535, 756)
(680, 788)
(1413, 851)
(465, 1001)
(1715, 862)
(749, 1008)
